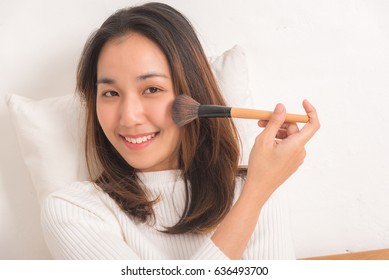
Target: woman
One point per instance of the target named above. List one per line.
(158, 191)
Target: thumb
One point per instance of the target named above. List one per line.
(276, 120)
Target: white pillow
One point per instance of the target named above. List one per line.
(51, 131)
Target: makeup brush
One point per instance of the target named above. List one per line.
(185, 109)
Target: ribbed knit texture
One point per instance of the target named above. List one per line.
(82, 222)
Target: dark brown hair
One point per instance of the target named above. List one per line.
(209, 148)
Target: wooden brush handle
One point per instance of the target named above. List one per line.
(264, 115)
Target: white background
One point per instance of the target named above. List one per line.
(333, 52)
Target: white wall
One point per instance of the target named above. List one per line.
(333, 52)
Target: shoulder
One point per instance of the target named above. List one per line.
(81, 221)
(85, 191)
(76, 197)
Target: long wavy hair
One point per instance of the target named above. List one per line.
(209, 148)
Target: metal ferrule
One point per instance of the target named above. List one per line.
(214, 111)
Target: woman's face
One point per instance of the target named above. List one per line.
(134, 101)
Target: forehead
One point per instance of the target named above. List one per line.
(132, 51)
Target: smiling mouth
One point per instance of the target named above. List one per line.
(140, 140)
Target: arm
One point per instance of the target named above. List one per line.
(277, 153)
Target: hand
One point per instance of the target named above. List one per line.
(279, 150)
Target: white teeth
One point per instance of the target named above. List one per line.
(140, 139)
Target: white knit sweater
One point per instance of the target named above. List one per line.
(83, 222)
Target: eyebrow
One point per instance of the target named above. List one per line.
(105, 81)
(139, 78)
(151, 75)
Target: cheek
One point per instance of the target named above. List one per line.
(105, 118)
(161, 113)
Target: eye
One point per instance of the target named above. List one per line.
(110, 94)
(152, 90)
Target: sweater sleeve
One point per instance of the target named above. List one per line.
(209, 251)
(75, 231)
(272, 237)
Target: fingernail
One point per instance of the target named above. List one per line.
(279, 108)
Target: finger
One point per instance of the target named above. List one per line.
(285, 125)
(292, 128)
(282, 134)
(262, 123)
(313, 123)
(275, 122)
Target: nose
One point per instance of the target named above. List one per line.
(131, 111)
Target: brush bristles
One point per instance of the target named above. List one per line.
(185, 109)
